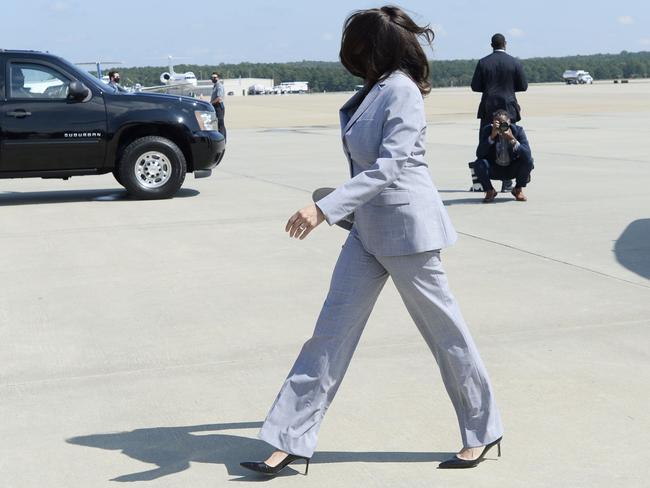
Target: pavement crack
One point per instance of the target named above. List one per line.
(389, 343)
(257, 178)
(124, 372)
(555, 260)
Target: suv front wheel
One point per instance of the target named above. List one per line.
(152, 167)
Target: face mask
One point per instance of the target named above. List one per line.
(117, 80)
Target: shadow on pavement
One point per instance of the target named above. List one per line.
(477, 200)
(172, 449)
(457, 191)
(68, 196)
(632, 248)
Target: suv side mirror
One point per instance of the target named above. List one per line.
(77, 91)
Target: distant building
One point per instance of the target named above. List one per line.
(251, 86)
(234, 86)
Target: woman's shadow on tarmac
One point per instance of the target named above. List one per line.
(632, 248)
(172, 449)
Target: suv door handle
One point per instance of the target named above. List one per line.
(19, 114)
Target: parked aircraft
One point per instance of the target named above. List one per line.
(172, 81)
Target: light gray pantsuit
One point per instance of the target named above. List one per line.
(400, 225)
(294, 419)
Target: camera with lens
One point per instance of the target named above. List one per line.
(504, 126)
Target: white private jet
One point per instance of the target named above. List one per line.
(183, 82)
(173, 78)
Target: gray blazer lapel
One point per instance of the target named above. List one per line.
(370, 97)
(343, 112)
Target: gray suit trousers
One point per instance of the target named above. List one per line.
(294, 419)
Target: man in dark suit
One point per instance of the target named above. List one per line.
(503, 153)
(498, 76)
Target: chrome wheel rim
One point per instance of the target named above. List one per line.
(153, 169)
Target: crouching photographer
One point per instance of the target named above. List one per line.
(503, 153)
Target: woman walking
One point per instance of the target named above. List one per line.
(400, 225)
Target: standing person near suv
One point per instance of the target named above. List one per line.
(114, 81)
(498, 76)
(217, 102)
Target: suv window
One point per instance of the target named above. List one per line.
(30, 80)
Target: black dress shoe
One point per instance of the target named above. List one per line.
(263, 468)
(458, 463)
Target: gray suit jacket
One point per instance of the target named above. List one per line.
(397, 209)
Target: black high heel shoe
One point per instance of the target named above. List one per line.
(263, 468)
(458, 463)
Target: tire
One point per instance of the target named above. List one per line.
(151, 168)
(116, 175)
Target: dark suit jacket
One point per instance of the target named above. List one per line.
(488, 151)
(498, 76)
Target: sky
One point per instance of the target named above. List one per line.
(145, 32)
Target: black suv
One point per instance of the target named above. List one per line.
(57, 121)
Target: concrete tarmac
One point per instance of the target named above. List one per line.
(144, 341)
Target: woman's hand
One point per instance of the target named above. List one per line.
(304, 221)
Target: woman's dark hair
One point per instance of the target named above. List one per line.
(378, 41)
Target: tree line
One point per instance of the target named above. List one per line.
(332, 76)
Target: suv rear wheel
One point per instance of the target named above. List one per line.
(152, 167)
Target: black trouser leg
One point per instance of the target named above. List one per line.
(221, 112)
(524, 167)
(483, 123)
